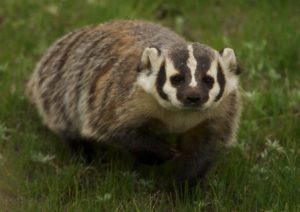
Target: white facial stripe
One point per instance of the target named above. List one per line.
(192, 64)
(168, 88)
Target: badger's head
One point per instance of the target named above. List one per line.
(188, 77)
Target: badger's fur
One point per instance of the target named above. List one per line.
(130, 83)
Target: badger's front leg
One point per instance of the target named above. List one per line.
(144, 145)
(199, 148)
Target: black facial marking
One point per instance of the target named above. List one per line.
(209, 81)
(179, 58)
(203, 57)
(161, 79)
(192, 96)
(177, 80)
(221, 81)
(181, 80)
(203, 63)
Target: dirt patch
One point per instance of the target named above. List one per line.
(7, 199)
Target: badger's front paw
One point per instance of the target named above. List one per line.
(192, 169)
(154, 156)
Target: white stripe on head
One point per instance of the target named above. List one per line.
(192, 64)
(168, 88)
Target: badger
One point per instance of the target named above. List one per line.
(133, 84)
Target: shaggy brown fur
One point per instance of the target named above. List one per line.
(85, 88)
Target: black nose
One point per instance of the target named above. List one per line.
(193, 99)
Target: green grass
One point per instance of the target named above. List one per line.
(262, 173)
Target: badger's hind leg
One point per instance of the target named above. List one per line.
(144, 145)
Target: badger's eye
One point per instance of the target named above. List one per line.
(177, 80)
(208, 80)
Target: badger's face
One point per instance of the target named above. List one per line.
(188, 77)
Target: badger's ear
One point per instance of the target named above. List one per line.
(229, 60)
(151, 59)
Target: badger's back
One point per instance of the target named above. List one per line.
(86, 78)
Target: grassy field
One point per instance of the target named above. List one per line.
(262, 173)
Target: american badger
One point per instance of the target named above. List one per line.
(133, 83)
